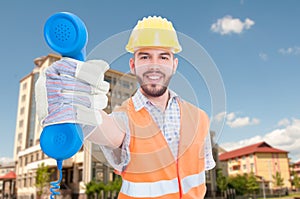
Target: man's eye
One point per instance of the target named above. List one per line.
(165, 58)
(144, 57)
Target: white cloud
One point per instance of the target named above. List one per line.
(233, 121)
(290, 51)
(4, 160)
(284, 122)
(235, 145)
(242, 121)
(263, 56)
(228, 25)
(220, 116)
(287, 138)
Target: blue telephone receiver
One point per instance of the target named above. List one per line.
(67, 35)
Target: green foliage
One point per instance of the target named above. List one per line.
(222, 181)
(238, 182)
(95, 187)
(296, 181)
(42, 179)
(252, 185)
(278, 180)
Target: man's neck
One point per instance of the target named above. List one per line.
(161, 101)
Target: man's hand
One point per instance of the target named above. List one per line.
(71, 91)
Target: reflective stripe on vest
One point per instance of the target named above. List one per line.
(161, 188)
(192, 181)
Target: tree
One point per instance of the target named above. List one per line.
(42, 179)
(296, 182)
(91, 189)
(278, 181)
(222, 182)
(98, 187)
(252, 184)
(238, 182)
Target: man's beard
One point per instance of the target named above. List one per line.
(154, 90)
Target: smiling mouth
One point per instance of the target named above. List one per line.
(153, 77)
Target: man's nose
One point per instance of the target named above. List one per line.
(154, 66)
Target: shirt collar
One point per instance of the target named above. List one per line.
(140, 100)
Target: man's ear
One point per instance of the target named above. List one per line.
(175, 64)
(132, 66)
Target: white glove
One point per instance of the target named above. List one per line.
(71, 91)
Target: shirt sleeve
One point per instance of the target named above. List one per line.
(209, 159)
(119, 158)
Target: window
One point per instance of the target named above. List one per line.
(23, 98)
(24, 181)
(119, 95)
(252, 166)
(80, 175)
(20, 159)
(30, 181)
(114, 81)
(22, 111)
(131, 85)
(126, 96)
(236, 167)
(21, 123)
(24, 85)
(18, 149)
(107, 79)
(126, 84)
(244, 167)
(20, 136)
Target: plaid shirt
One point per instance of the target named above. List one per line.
(169, 123)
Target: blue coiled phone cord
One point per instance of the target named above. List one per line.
(55, 184)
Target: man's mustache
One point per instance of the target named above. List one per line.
(153, 72)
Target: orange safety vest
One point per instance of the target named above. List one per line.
(152, 172)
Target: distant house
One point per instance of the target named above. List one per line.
(296, 168)
(261, 159)
(7, 180)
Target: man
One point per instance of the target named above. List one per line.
(157, 142)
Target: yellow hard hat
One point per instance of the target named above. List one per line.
(153, 32)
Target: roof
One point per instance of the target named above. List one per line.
(297, 163)
(8, 176)
(261, 147)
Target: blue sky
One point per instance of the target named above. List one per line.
(254, 45)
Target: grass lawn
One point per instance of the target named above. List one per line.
(289, 196)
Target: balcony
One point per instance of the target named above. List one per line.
(49, 162)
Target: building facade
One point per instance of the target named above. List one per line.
(7, 179)
(261, 159)
(296, 168)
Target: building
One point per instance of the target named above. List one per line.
(261, 159)
(82, 167)
(7, 179)
(296, 168)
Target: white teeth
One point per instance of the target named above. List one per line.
(153, 77)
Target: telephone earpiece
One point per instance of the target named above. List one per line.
(61, 141)
(66, 34)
